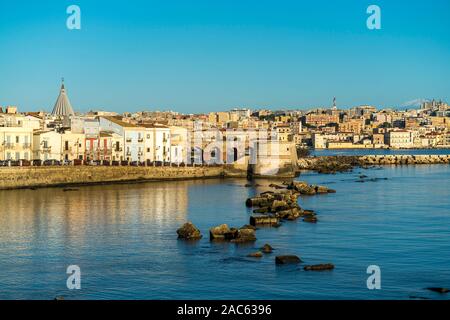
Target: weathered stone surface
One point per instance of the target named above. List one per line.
(257, 202)
(248, 226)
(319, 267)
(288, 259)
(263, 220)
(261, 210)
(244, 235)
(188, 231)
(278, 205)
(218, 233)
(33, 177)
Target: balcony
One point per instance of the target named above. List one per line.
(26, 145)
(128, 140)
(9, 145)
(141, 140)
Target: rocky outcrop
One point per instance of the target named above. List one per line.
(289, 259)
(188, 231)
(271, 207)
(304, 189)
(319, 267)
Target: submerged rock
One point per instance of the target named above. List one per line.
(439, 290)
(267, 248)
(289, 259)
(310, 219)
(257, 254)
(188, 231)
(319, 267)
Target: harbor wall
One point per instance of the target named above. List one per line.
(34, 177)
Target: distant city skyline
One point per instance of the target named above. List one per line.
(196, 57)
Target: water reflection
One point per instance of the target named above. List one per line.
(57, 217)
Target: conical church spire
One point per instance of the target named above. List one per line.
(62, 106)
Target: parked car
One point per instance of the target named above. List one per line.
(25, 163)
(37, 163)
(14, 163)
(52, 162)
(66, 162)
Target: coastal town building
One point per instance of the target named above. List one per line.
(16, 143)
(399, 139)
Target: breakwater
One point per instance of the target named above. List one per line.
(404, 159)
(332, 164)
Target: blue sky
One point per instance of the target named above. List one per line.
(199, 56)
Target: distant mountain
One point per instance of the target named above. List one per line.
(413, 104)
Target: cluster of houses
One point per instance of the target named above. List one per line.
(170, 137)
(65, 136)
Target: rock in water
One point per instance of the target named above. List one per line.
(245, 235)
(256, 254)
(310, 219)
(189, 232)
(267, 248)
(218, 233)
(248, 226)
(439, 290)
(287, 259)
(319, 267)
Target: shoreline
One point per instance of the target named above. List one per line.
(16, 178)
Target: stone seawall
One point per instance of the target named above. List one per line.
(404, 159)
(330, 164)
(34, 177)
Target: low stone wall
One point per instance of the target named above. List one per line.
(34, 177)
(404, 159)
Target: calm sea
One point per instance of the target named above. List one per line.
(123, 237)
